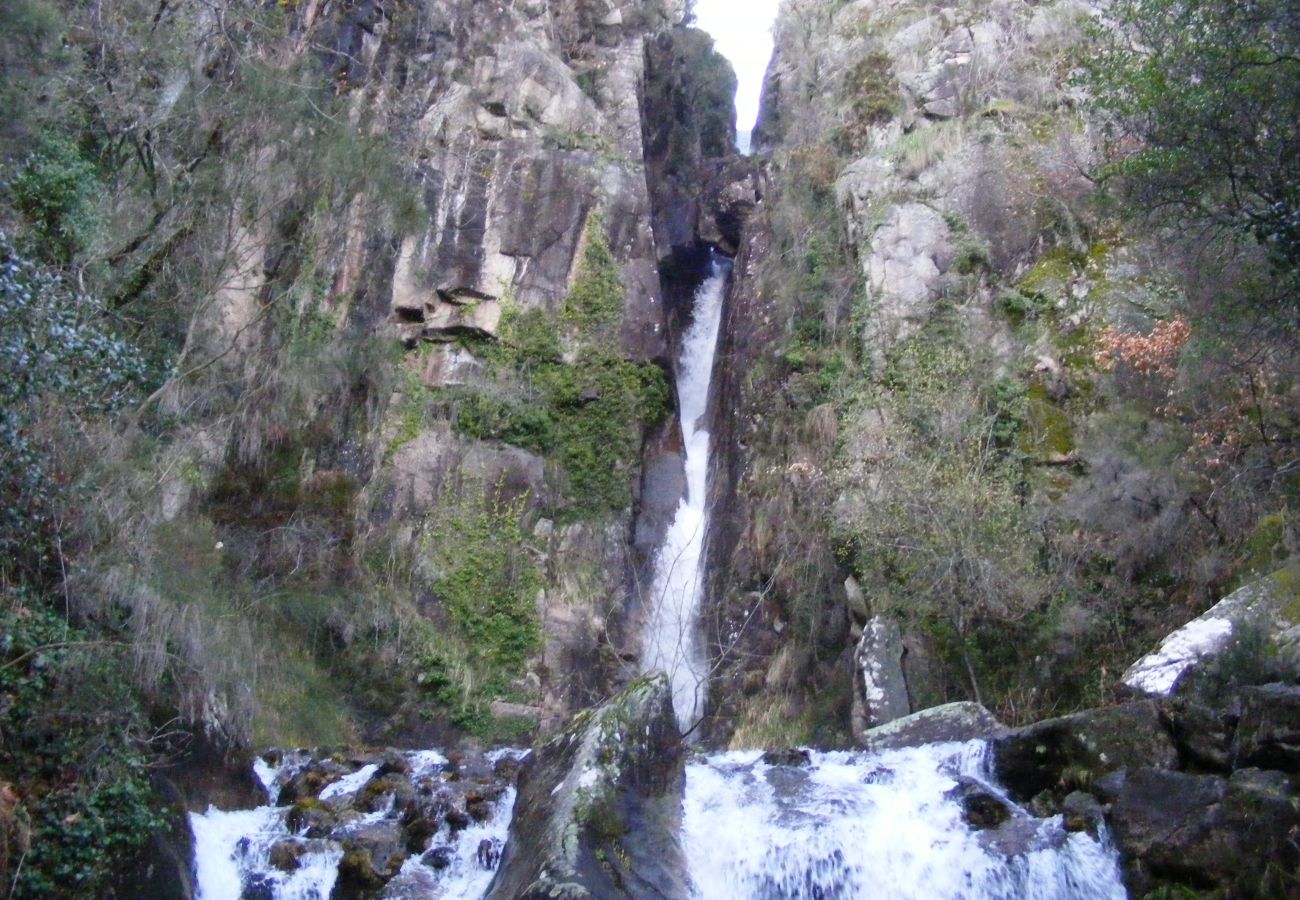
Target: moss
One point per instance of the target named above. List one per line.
(409, 414)
(1047, 429)
(1050, 276)
(1288, 583)
(1265, 548)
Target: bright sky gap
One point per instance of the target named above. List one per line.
(742, 32)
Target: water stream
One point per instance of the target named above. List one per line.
(671, 641)
(862, 826)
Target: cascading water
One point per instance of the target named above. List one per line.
(671, 642)
(859, 826)
(255, 854)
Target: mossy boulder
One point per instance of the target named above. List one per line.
(963, 721)
(1251, 636)
(600, 806)
(1050, 759)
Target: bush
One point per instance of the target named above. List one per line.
(57, 358)
(73, 751)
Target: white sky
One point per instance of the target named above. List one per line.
(742, 31)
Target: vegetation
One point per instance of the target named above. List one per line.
(586, 414)
(77, 804)
(1205, 100)
(488, 580)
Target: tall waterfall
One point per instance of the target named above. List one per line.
(854, 826)
(671, 638)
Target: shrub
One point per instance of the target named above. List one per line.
(57, 358)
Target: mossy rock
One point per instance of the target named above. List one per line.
(1050, 277)
(1047, 432)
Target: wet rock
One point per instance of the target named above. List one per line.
(1061, 755)
(793, 756)
(285, 855)
(950, 722)
(879, 687)
(1268, 733)
(981, 807)
(312, 818)
(600, 806)
(1082, 812)
(372, 854)
(311, 779)
(438, 857)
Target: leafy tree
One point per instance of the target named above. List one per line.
(56, 358)
(1205, 96)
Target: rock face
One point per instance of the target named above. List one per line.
(600, 806)
(1231, 835)
(1061, 754)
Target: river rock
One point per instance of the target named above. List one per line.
(1268, 733)
(1059, 755)
(981, 807)
(600, 806)
(963, 721)
(1231, 835)
(879, 687)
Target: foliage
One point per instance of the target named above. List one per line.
(73, 750)
(488, 581)
(1150, 354)
(587, 414)
(873, 97)
(57, 188)
(1205, 96)
(57, 358)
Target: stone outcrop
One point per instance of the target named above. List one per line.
(1233, 835)
(600, 806)
(879, 688)
(1232, 633)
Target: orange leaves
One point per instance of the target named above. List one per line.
(1151, 354)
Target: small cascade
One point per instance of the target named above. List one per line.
(257, 853)
(874, 825)
(671, 641)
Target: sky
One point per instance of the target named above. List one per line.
(742, 31)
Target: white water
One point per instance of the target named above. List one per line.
(858, 825)
(232, 849)
(672, 642)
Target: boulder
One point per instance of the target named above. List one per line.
(1203, 735)
(1200, 656)
(1060, 755)
(1220, 834)
(879, 688)
(600, 806)
(1268, 733)
(981, 807)
(951, 722)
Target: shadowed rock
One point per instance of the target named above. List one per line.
(600, 806)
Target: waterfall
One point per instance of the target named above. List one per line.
(235, 852)
(868, 825)
(671, 637)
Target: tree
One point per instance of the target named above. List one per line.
(1205, 100)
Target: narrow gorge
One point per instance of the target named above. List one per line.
(439, 463)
